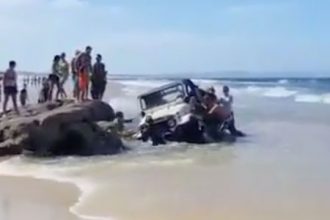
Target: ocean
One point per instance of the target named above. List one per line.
(279, 171)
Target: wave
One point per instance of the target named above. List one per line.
(143, 83)
(283, 81)
(284, 90)
(279, 92)
(273, 92)
(313, 98)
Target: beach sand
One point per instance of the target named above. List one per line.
(25, 198)
(28, 198)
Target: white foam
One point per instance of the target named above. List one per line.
(143, 83)
(308, 98)
(283, 81)
(254, 89)
(273, 92)
(279, 92)
(326, 99)
(313, 98)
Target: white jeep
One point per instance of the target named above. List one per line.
(167, 110)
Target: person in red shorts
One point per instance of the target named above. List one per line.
(84, 65)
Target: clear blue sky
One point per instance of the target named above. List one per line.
(172, 36)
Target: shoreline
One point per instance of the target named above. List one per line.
(31, 195)
(62, 195)
(40, 199)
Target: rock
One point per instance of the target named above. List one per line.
(59, 128)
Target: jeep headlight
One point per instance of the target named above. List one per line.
(171, 123)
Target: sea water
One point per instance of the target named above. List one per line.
(279, 171)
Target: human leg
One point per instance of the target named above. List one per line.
(5, 102)
(14, 99)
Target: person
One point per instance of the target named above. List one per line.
(118, 125)
(44, 92)
(23, 97)
(84, 65)
(98, 79)
(150, 131)
(10, 86)
(74, 72)
(226, 101)
(1, 78)
(64, 74)
(54, 78)
(214, 117)
(211, 90)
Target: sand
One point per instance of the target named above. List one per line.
(24, 198)
(27, 198)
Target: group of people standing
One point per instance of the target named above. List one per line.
(84, 75)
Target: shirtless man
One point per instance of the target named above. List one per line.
(226, 101)
(84, 66)
(10, 86)
(74, 72)
(98, 79)
(64, 74)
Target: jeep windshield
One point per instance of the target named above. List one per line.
(173, 93)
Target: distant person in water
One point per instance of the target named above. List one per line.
(84, 65)
(10, 86)
(54, 78)
(75, 72)
(226, 101)
(39, 81)
(44, 92)
(64, 75)
(1, 78)
(23, 96)
(98, 79)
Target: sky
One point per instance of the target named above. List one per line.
(173, 36)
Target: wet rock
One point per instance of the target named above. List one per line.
(59, 128)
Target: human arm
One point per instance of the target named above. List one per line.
(231, 99)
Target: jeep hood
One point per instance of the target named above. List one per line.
(166, 110)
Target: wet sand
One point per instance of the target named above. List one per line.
(27, 198)
(23, 198)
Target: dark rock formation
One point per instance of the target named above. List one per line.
(59, 128)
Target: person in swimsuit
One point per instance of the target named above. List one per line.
(44, 92)
(84, 65)
(23, 97)
(54, 78)
(64, 74)
(226, 101)
(74, 72)
(1, 78)
(98, 79)
(10, 86)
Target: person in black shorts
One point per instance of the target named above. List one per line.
(10, 86)
(54, 78)
(98, 79)
(23, 96)
(44, 92)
